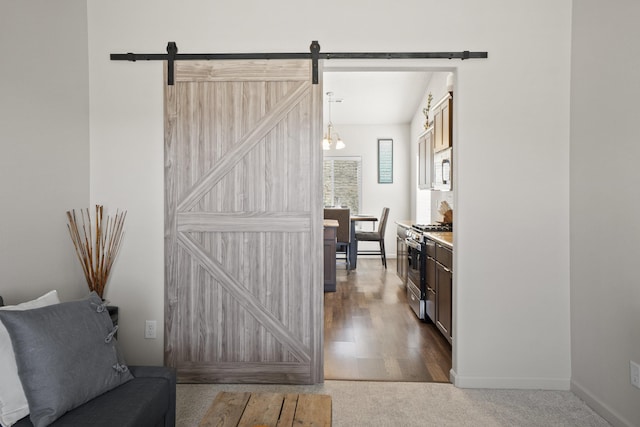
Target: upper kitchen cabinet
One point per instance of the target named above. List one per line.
(443, 123)
(425, 141)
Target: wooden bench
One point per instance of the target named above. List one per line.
(268, 409)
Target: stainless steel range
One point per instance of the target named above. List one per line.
(416, 284)
(417, 273)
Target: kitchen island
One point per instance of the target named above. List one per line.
(330, 230)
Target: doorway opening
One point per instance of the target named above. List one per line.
(370, 333)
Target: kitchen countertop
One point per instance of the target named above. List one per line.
(330, 223)
(406, 223)
(445, 238)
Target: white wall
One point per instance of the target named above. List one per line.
(44, 141)
(363, 141)
(605, 207)
(512, 210)
(513, 323)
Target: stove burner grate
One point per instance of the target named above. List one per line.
(433, 227)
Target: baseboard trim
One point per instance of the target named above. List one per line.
(599, 406)
(509, 383)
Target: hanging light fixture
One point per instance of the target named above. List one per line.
(330, 137)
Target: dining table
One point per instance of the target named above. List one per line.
(353, 242)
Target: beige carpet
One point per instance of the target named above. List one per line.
(359, 403)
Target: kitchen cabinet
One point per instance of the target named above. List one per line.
(330, 230)
(430, 279)
(439, 284)
(444, 285)
(443, 123)
(402, 262)
(425, 141)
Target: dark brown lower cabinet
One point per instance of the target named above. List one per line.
(439, 278)
(330, 259)
(444, 300)
(431, 302)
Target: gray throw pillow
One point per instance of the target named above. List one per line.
(66, 355)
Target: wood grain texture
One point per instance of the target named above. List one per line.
(371, 334)
(313, 410)
(229, 164)
(263, 409)
(231, 409)
(288, 412)
(245, 373)
(241, 70)
(226, 410)
(246, 221)
(316, 301)
(243, 298)
(243, 206)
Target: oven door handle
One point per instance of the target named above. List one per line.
(413, 244)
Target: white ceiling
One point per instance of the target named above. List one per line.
(374, 97)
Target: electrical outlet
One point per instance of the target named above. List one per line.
(150, 329)
(634, 369)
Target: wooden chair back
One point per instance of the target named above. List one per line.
(382, 225)
(343, 216)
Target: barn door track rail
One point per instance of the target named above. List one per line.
(314, 55)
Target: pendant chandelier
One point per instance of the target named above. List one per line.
(329, 136)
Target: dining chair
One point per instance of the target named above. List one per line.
(375, 236)
(343, 234)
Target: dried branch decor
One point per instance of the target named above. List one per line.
(96, 244)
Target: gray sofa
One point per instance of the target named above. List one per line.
(149, 399)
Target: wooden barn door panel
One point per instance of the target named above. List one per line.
(243, 222)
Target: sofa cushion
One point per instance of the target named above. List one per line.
(13, 402)
(142, 402)
(66, 355)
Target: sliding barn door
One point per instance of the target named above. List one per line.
(243, 219)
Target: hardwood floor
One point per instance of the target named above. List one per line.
(371, 334)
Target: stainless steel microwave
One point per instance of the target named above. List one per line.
(442, 170)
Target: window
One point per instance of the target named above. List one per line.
(343, 182)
